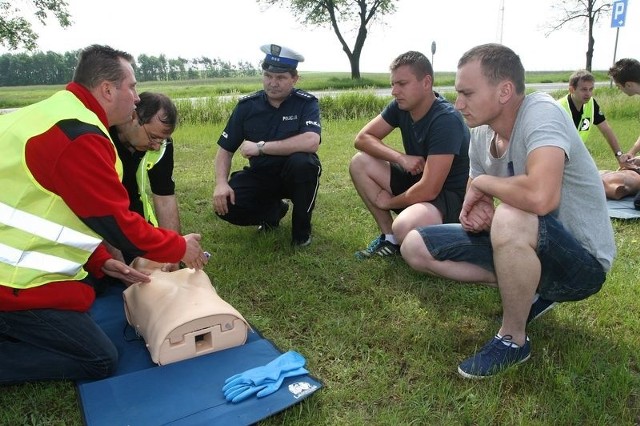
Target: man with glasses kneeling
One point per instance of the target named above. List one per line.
(145, 148)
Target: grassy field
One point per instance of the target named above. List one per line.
(13, 97)
(385, 340)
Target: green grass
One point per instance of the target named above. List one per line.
(385, 340)
(13, 97)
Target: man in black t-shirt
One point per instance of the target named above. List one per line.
(425, 182)
(145, 148)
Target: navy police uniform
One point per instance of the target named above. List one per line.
(260, 187)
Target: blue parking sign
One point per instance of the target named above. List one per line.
(618, 12)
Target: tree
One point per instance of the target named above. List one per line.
(337, 13)
(177, 69)
(16, 30)
(579, 11)
(151, 68)
(23, 69)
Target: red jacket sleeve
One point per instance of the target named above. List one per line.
(96, 261)
(83, 174)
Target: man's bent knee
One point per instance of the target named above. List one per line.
(103, 365)
(511, 225)
(357, 163)
(414, 251)
(415, 216)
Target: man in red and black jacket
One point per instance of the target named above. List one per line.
(62, 196)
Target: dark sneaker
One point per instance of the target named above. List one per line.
(380, 247)
(269, 226)
(494, 357)
(540, 307)
(302, 243)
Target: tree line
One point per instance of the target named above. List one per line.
(16, 31)
(24, 69)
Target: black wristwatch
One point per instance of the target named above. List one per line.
(618, 154)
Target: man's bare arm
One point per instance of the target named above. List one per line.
(538, 191)
(369, 140)
(435, 173)
(166, 208)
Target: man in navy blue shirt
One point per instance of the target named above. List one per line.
(278, 130)
(426, 183)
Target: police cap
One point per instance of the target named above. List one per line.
(280, 58)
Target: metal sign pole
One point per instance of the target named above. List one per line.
(433, 52)
(618, 16)
(615, 49)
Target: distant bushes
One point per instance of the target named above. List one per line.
(349, 83)
(347, 106)
(352, 106)
(359, 104)
(205, 110)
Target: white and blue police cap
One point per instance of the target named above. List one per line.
(280, 58)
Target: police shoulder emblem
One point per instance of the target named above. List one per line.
(249, 96)
(302, 94)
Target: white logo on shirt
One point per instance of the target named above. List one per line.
(586, 123)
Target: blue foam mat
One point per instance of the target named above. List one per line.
(623, 208)
(183, 393)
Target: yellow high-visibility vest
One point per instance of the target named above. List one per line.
(41, 239)
(149, 160)
(586, 120)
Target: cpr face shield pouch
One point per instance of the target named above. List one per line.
(180, 315)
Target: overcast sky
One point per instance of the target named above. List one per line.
(234, 30)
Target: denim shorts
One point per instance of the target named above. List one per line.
(569, 271)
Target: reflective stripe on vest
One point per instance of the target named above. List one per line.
(42, 240)
(37, 261)
(46, 229)
(586, 120)
(150, 159)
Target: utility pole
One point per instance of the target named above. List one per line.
(500, 21)
(433, 52)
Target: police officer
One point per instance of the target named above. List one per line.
(278, 130)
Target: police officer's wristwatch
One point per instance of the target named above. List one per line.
(260, 147)
(618, 154)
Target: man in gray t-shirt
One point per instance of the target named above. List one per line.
(550, 238)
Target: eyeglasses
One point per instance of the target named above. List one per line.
(154, 139)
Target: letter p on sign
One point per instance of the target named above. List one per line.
(618, 12)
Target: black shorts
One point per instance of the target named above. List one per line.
(448, 202)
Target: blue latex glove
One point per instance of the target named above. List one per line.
(232, 391)
(242, 392)
(271, 372)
